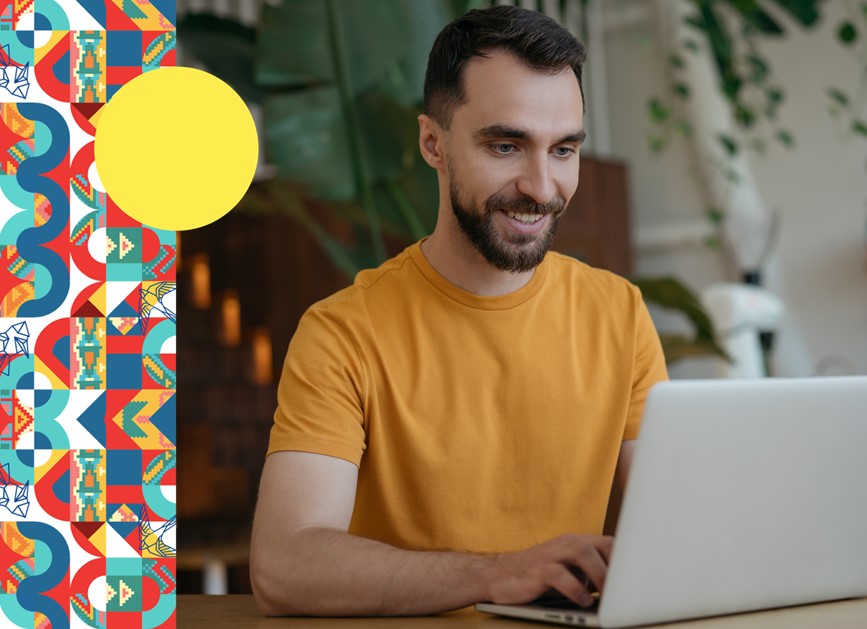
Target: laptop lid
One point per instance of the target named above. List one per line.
(743, 495)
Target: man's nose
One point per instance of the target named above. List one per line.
(536, 181)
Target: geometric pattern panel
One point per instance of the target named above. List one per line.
(87, 326)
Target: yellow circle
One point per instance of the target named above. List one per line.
(176, 148)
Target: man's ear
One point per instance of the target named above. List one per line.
(431, 140)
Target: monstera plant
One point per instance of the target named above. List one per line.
(340, 87)
(339, 84)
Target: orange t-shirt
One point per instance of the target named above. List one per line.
(482, 424)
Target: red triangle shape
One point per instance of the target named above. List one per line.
(88, 528)
(87, 309)
(88, 110)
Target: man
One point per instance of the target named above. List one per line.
(449, 426)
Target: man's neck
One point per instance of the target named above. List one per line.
(458, 262)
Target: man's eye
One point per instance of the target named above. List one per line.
(564, 151)
(503, 149)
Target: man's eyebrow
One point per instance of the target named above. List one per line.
(501, 131)
(495, 131)
(579, 136)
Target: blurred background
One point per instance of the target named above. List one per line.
(724, 173)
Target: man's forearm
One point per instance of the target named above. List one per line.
(325, 572)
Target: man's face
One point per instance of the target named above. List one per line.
(512, 158)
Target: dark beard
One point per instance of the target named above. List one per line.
(520, 252)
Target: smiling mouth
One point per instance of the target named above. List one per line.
(527, 219)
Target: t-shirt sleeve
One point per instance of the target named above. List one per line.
(648, 366)
(320, 395)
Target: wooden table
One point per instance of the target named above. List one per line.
(239, 611)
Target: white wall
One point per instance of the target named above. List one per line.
(820, 264)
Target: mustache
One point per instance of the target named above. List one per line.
(524, 205)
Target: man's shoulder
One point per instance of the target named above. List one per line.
(569, 270)
(370, 286)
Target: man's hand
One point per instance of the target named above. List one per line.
(305, 563)
(520, 577)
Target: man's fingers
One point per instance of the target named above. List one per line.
(574, 565)
(564, 581)
(591, 561)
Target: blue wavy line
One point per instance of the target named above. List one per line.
(30, 241)
(30, 595)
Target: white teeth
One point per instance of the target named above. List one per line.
(525, 218)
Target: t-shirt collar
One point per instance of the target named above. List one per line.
(483, 302)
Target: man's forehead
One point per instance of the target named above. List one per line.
(499, 62)
(500, 89)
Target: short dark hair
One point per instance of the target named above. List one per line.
(535, 39)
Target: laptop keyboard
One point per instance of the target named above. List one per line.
(561, 602)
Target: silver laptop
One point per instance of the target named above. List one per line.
(743, 495)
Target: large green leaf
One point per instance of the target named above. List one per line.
(389, 135)
(364, 62)
(459, 7)
(672, 294)
(293, 46)
(426, 20)
(306, 138)
(308, 142)
(297, 41)
(226, 48)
